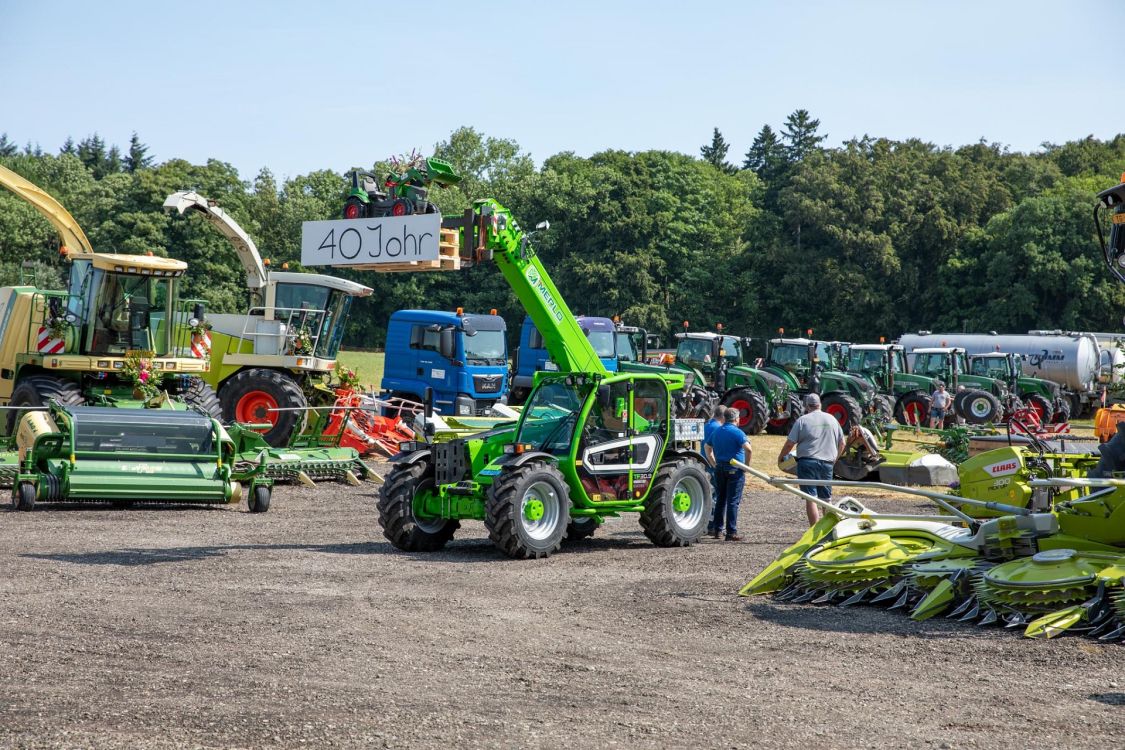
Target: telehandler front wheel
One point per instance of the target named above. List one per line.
(23, 496)
(678, 507)
(527, 510)
(396, 510)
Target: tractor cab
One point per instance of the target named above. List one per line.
(1006, 367)
(878, 363)
(703, 350)
(802, 358)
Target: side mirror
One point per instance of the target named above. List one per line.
(543, 226)
(198, 312)
(446, 343)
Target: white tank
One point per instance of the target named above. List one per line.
(1073, 360)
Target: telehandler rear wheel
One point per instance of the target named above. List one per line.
(396, 510)
(250, 395)
(23, 497)
(527, 510)
(40, 390)
(580, 528)
(678, 507)
(751, 407)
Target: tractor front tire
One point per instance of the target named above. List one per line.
(678, 507)
(396, 510)
(249, 396)
(259, 499)
(913, 409)
(354, 208)
(580, 528)
(528, 510)
(1062, 414)
(1041, 406)
(40, 390)
(782, 426)
(751, 407)
(884, 408)
(203, 398)
(23, 497)
(976, 406)
(845, 409)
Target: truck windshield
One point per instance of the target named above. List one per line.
(486, 348)
(625, 350)
(550, 416)
(603, 343)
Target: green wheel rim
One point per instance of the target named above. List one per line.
(540, 510)
(689, 498)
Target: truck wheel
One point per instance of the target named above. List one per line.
(751, 407)
(251, 394)
(396, 510)
(23, 496)
(1041, 406)
(844, 408)
(259, 500)
(527, 510)
(354, 209)
(913, 409)
(782, 425)
(1062, 413)
(40, 390)
(203, 397)
(977, 406)
(678, 507)
(884, 408)
(580, 528)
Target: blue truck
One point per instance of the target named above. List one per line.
(531, 356)
(462, 356)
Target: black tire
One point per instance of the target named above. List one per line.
(663, 524)
(1076, 407)
(202, 397)
(354, 208)
(510, 504)
(40, 390)
(840, 405)
(402, 207)
(280, 387)
(976, 406)
(259, 500)
(913, 403)
(1041, 405)
(517, 396)
(695, 403)
(23, 497)
(884, 408)
(396, 510)
(1062, 413)
(580, 528)
(782, 426)
(752, 409)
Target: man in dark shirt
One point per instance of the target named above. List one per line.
(727, 443)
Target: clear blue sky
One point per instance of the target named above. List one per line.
(298, 86)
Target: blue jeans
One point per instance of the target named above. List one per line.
(813, 468)
(728, 496)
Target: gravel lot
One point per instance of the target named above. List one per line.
(194, 627)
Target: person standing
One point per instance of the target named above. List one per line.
(728, 443)
(714, 423)
(940, 401)
(819, 441)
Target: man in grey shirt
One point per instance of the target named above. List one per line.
(819, 441)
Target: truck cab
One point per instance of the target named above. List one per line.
(462, 356)
(532, 357)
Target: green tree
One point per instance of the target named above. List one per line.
(800, 136)
(138, 157)
(715, 153)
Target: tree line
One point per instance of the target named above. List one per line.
(873, 238)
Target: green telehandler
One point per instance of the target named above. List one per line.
(588, 445)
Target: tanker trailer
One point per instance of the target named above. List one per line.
(1073, 360)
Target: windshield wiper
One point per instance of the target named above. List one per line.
(551, 436)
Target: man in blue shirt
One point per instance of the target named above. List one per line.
(714, 423)
(727, 443)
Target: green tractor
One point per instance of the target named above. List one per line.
(977, 399)
(809, 366)
(719, 362)
(588, 445)
(901, 394)
(1044, 397)
(398, 194)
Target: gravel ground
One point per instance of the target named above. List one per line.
(196, 627)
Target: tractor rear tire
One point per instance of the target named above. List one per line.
(671, 521)
(580, 528)
(913, 409)
(783, 425)
(751, 407)
(1062, 414)
(250, 394)
(396, 510)
(1041, 406)
(976, 406)
(884, 408)
(845, 408)
(259, 499)
(40, 390)
(528, 510)
(203, 398)
(23, 497)
(354, 208)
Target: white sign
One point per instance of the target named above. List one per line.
(353, 242)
